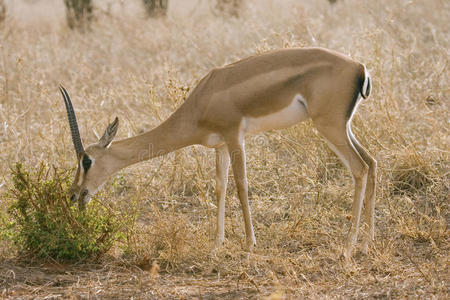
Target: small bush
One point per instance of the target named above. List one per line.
(2, 11)
(227, 7)
(413, 173)
(170, 240)
(41, 222)
(79, 13)
(156, 8)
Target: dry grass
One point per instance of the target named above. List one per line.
(141, 69)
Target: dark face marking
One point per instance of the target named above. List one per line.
(86, 162)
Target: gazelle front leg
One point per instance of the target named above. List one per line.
(222, 165)
(237, 155)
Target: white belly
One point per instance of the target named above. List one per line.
(292, 114)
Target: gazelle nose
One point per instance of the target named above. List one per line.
(84, 193)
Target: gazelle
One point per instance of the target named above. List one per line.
(269, 91)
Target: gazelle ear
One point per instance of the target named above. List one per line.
(109, 134)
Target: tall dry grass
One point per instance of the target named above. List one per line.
(142, 69)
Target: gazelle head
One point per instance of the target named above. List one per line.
(93, 167)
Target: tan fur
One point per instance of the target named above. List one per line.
(262, 92)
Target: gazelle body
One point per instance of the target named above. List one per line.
(268, 91)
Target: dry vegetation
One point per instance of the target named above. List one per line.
(141, 69)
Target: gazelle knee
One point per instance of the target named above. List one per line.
(360, 172)
(219, 184)
(373, 167)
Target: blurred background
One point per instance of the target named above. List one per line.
(139, 60)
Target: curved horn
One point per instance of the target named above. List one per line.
(72, 122)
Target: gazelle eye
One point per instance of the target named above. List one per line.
(86, 162)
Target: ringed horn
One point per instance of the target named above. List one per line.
(72, 122)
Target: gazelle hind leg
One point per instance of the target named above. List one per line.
(341, 144)
(370, 193)
(222, 165)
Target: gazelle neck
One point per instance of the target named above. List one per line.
(175, 133)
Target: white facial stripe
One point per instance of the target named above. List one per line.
(82, 173)
(81, 176)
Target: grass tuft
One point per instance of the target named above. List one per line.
(413, 173)
(141, 69)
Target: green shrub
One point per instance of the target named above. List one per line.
(41, 222)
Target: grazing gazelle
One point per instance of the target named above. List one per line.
(269, 91)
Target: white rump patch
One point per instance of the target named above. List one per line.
(292, 114)
(366, 82)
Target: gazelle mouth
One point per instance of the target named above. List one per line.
(83, 194)
(81, 197)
